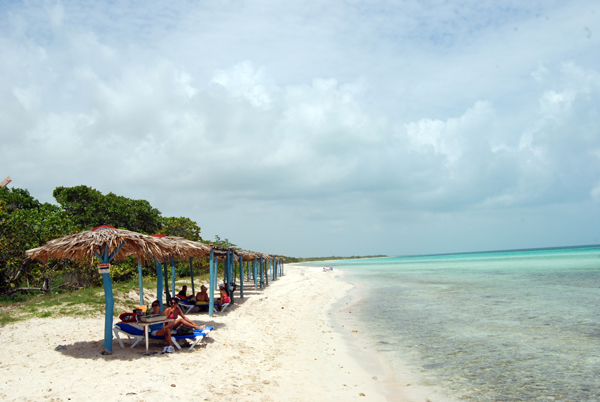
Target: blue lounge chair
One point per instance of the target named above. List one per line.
(135, 333)
(186, 306)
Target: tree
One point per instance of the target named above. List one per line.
(136, 215)
(82, 204)
(17, 198)
(182, 227)
(88, 208)
(223, 243)
(25, 223)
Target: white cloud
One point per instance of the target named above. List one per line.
(335, 113)
(242, 81)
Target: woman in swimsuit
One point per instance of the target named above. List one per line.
(224, 296)
(162, 329)
(174, 312)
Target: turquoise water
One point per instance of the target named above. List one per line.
(498, 326)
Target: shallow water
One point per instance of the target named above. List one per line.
(502, 326)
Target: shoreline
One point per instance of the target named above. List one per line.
(273, 345)
(399, 381)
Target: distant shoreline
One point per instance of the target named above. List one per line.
(292, 260)
(515, 250)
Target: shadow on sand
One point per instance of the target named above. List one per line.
(93, 349)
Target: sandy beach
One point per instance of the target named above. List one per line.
(277, 344)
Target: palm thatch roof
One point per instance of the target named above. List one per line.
(86, 244)
(247, 255)
(182, 248)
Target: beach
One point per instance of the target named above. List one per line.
(276, 344)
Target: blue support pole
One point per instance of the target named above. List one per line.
(267, 273)
(230, 274)
(261, 272)
(173, 277)
(216, 280)
(192, 276)
(159, 285)
(242, 273)
(211, 279)
(109, 301)
(254, 273)
(166, 275)
(225, 269)
(141, 282)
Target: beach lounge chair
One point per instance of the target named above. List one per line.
(186, 306)
(135, 333)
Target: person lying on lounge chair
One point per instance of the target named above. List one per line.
(175, 313)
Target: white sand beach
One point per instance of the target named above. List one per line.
(277, 344)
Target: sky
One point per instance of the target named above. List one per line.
(316, 128)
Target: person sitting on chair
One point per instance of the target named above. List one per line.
(202, 296)
(182, 294)
(224, 296)
(162, 328)
(174, 312)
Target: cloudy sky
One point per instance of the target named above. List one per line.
(314, 128)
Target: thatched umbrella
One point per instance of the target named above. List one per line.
(244, 258)
(181, 249)
(107, 243)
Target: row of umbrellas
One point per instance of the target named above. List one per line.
(110, 244)
(120, 244)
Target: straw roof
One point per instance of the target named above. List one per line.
(247, 255)
(182, 248)
(86, 244)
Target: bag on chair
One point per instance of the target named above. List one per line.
(185, 330)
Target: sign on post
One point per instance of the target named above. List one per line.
(104, 268)
(5, 181)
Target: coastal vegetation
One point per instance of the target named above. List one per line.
(32, 288)
(26, 223)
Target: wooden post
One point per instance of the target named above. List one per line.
(173, 276)
(267, 273)
(109, 301)
(230, 274)
(166, 275)
(192, 277)
(254, 273)
(159, 284)
(225, 269)
(261, 272)
(242, 273)
(141, 282)
(211, 280)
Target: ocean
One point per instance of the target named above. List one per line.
(497, 326)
